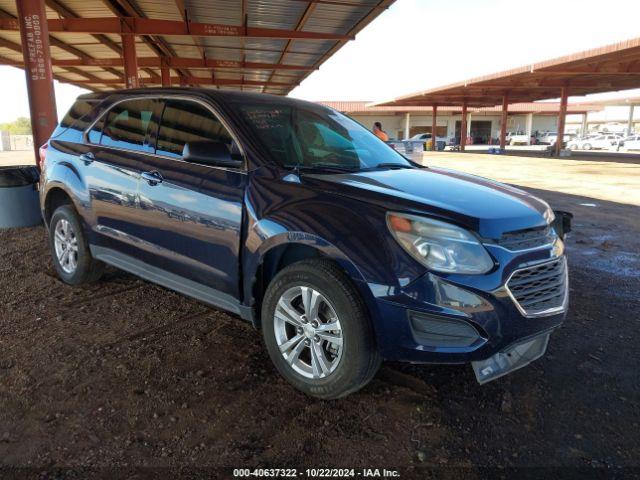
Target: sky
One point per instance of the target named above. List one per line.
(419, 44)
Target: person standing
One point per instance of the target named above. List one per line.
(378, 132)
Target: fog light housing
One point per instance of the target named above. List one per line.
(439, 331)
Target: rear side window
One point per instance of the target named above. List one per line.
(184, 121)
(77, 119)
(78, 116)
(127, 125)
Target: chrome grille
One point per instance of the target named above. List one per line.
(541, 289)
(526, 239)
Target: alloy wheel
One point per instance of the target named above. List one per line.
(65, 243)
(308, 332)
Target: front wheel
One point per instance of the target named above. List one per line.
(317, 331)
(586, 146)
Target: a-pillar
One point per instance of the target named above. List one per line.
(130, 61)
(463, 127)
(562, 118)
(407, 125)
(630, 121)
(165, 74)
(34, 34)
(503, 123)
(434, 123)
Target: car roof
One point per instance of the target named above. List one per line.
(222, 96)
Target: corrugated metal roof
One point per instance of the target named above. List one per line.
(363, 107)
(604, 69)
(327, 17)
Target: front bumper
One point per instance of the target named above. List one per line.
(461, 319)
(511, 359)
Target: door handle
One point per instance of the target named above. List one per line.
(152, 178)
(87, 158)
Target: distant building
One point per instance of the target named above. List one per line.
(484, 124)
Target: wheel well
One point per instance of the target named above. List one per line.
(275, 260)
(55, 198)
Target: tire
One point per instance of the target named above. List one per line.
(586, 146)
(65, 226)
(349, 366)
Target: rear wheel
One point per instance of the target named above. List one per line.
(317, 331)
(586, 146)
(70, 250)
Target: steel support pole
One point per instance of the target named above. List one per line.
(407, 125)
(130, 61)
(630, 121)
(529, 127)
(165, 75)
(562, 117)
(584, 130)
(503, 123)
(34, 34)
(434, 124)
(463, 126)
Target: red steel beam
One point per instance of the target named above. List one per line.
(562, 117)
(39, 74)
(171, 62)
(148, 26)
(188, 81)
(503, 124)
(434, 115)
(463, 127)
(165, 75)
(130, 61)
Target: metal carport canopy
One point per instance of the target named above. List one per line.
(610, 68)
(605, 69)
(256, 45)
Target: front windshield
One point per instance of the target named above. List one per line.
(317, 137)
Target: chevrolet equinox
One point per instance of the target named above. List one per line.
(299, 220)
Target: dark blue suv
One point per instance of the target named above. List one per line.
(299, 220)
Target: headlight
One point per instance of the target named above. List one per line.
(438, 245)
(549, 215)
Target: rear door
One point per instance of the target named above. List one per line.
(117, 144)
(192, 213)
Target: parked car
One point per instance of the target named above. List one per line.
(548, 138)
(631, 142)
(604, 142)
(299, 220)
(426, 137)
(517, 138)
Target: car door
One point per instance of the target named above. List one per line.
(192, 213)
(117, 143)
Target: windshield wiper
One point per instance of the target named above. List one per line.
(327, 167)
(389, 165)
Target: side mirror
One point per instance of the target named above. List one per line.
(212, 153)
(562, 223)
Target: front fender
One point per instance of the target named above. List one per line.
(269, 235)
(274, 235)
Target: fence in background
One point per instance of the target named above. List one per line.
(10, 142)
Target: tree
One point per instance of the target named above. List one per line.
(20, 126)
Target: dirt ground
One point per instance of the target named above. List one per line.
(125, 373)
(17, 157)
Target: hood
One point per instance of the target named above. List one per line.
(482, 205)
